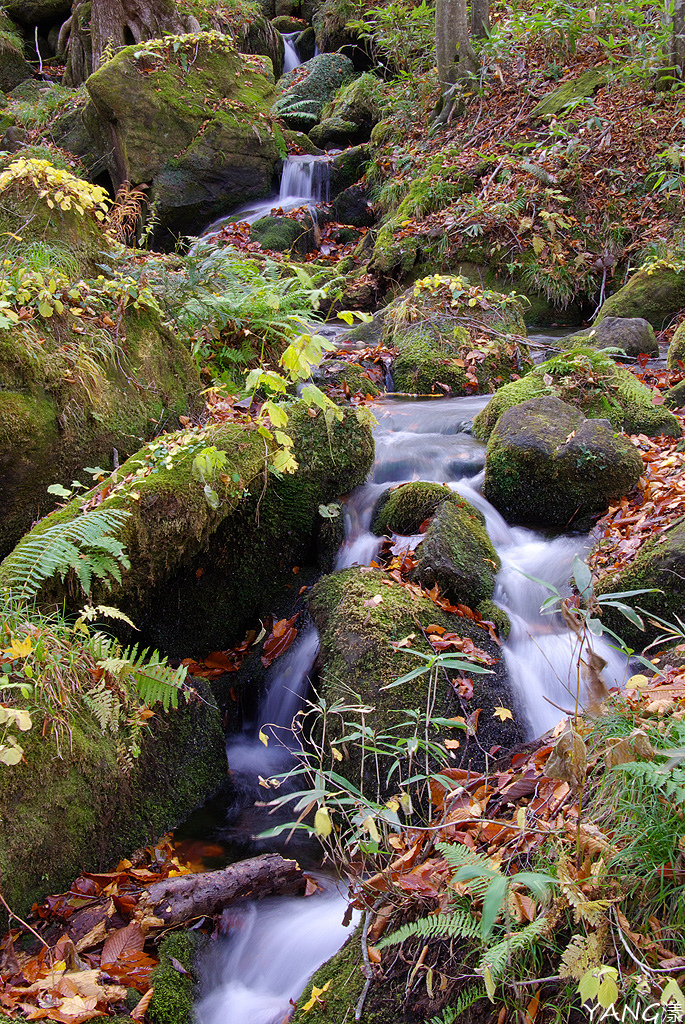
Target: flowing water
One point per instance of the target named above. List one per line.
(305, 181)
(291, 58)
(279, 943)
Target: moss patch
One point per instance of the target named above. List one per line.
(458, 555)
(172, 1002)
(405, 508)
(654, 294)
(589, 380)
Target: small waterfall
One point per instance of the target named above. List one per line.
(291, 59)
(289, 681)
(305, 180)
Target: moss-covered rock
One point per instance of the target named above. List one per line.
(305, 44)
(457, 555)
(632, 335)
(547, 465)
(304, 92)
(570, 93)
(73, 805)
(674, 398)
(659, 566)
(349, 118)
(347, 168)
(654, 294)
(330, 25)
(406, 508)
(14, 68)
(352, 207)
(339, 374)
(173, 998)
(70, 399)
(32, 12)
(261, 37)
(357, 656)
(591, 382)
(200, 575)
(437, 352)
(287, 24)
(282, 234)
(676, 350)
(193, 121)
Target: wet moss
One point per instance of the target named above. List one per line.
(405, 508)
(172, 1001)
(589, 380)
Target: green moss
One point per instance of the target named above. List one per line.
(405, 508)
(343, 975)
(589, 380)
(579, 88)
(676, 350)
(458, 555)
(654, 294)
(491, 612)
(172, 1002)
(281, 234)
(72, 806)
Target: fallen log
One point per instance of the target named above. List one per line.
(180, 899)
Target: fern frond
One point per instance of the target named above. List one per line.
(154, 679)
(467, 998)
(84, 544)
(459, 856)
(458, 924)
(670, 782)
(498, 956)
(105, 707)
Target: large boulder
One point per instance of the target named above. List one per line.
(655, 294)
(14, 69)
(660, 568)
(455, 337)
(352, 207)
(304, 92)
(360, 617)
(190, 117)
(590, 381)
(37, 12)
(676, 350)
(405, 509)
(283, 234)
(203, 569)
(546, 465)
(73, 803)
(357, 107)
(632, 335)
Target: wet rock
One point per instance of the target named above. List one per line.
(654, 294)
(632, 335)
(676, 350)
(406, 508)
(305, 44)
(457, 555)
(546, 465)
(348, 167)
(352, 207)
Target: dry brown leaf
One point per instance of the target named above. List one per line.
(122, 941)
(141, 1009)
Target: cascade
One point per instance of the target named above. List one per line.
(291, 58)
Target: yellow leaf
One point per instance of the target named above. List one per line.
(337, 756)
(264, 738)
(637, 682)
(322, 822)
(19, 648)
(370, 826)
(502, 714)
(315, 997)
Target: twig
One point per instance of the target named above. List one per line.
(19, 919)
(367, 970)
(40, 59)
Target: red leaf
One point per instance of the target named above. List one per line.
(124, 940)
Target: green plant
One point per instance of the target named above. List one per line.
(58, 187)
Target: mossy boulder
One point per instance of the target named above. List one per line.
(339, 374)
(347, 168)
(458, 555)
(282, 234)
(174, 992)
(359, 617)
(436, 352)
(546, 465)
(674, 398)
(335, 133)
(287, 24)
(330, 25)
(191, 122)
(200, 574)
(632, 335)
(305, 44)
(304, 92)
(73, 805)
(349, 118)
(590, 381)
(352, 207)
(655, 294)
(37, 12)
(14, 68)
(568, 94)
(404, 509)
(659, 566)
(676, 350)
(261, 37)
(70, 400)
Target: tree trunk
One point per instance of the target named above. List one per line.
(677, 50)
(103, 25)
(189, 896)
(480, 18)
(454, 53)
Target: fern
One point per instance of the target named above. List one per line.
(467, 998)
(498, 956)
(105, 707)
(669, 782)
(456, 925)
(459, 856)
(84, 544)
(154, 679)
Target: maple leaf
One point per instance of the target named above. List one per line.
(503, 714)
(315, 997)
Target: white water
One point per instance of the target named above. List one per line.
(291, 59)
(278, 944)
(305, 181)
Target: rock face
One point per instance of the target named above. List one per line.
(633, 335)
(660, 567)
(655, 294)
(200, 574)
(546, 465)
(592, 382)
(357, 657)
(304, 92)
(193, 123)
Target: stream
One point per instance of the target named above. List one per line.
(275, 945)
(249, 978)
